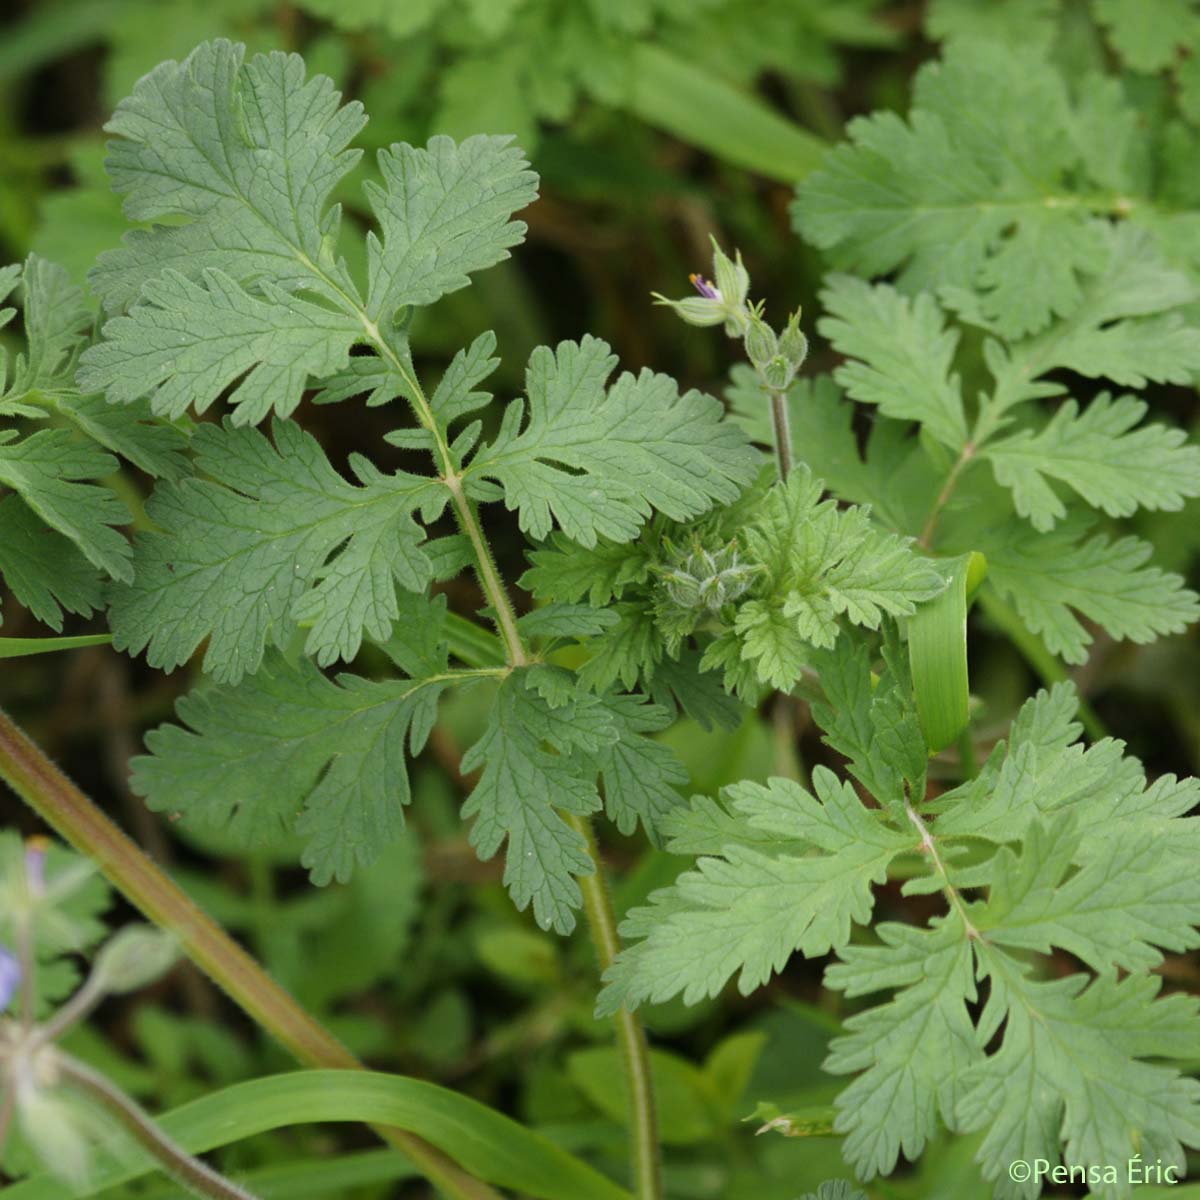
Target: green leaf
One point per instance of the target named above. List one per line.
(857, 713)
(335, 753)
(131, 431)
(1021, 23)
(641, 777)
(973, 191)
(1069, 1072)
(563, 570)
(1149, 39)
(184, 344)
(905, 352)
(628, 651)
(1131, 324)
(914, 1046)
(456, 393)
(1058, 574)
(46, 469)
(566, 620)
(1099, 455)
(482, 1141)
(1046, 1069)
(521, 787)
(57, 322)
(599, 460)
(836, 1189)
(748, 911)
(1040, 901)
(273, 538)
(249, 154)
(443, 211)
(45, 571)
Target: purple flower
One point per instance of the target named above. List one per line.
(708, 290)
(10, 977)
(35, 865)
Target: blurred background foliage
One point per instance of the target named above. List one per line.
(653, 124)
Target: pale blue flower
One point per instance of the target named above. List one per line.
(10, 977)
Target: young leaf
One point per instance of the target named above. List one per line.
(819, 562)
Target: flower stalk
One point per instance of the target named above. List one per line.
(66, 809)
(776, 358)
(196, 1175)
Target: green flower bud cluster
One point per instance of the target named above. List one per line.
(706, 579)
(777, 359)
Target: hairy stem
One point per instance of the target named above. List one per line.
(631, 1036)
(465, 511)
(8, 1108)
(783, 433)
(76, 1009)
(192, 1173)
(63, 806)
(930, 850)
(503, 612)
(464, 508)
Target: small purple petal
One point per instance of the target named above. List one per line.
(706, 289)
(35, 865)
(10, 977)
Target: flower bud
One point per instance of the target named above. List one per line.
(732, 278)
(778, 374)
(706, 579)
(57, 1132)
(136, 956)
(793, 345)
(761, 343)
(696, 310)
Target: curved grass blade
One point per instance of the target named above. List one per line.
(715, 116)
(306, 1179)
(484, 1142)
(21, 647)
